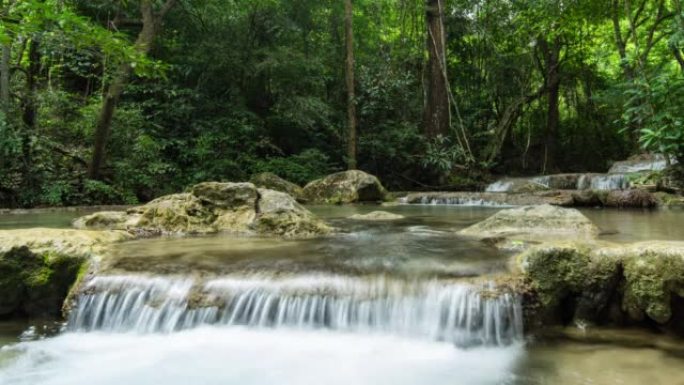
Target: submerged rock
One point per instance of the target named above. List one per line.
(598, 283)
(272, 181)
(345, 187)
(212, 207)
(39, 266)
(534, 223)
(635, 198)
(377, 216)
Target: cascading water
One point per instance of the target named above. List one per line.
(460, 201)
(500, 186)
(605, 182)
(439, 310)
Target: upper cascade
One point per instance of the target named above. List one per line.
(441, 310)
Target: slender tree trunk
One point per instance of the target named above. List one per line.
(5, 78)
(436, 113)
(151, 22)
(29, 110)
(552, 76)
(349, 76)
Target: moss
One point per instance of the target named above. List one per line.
(35, 283)
(556, 272)
(650, 280)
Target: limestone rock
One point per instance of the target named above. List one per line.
(377, 216)
(535, 223)
(39, 266)
(212, 207)
(280, 214)
(345, 187)
(635, 198)
(604, 283)
(272, 181)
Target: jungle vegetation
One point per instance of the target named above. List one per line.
(118, 101)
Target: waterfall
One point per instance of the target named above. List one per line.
(604, 182)
(468, 201)
(500, 186)
(442, 310)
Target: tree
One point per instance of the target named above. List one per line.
(151, 25)
(349, 76)
(437, 111)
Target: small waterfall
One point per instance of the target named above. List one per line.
(604, 182)
(434, 309)
(500, 186)
(459, 201)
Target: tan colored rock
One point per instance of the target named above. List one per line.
(535, 223)
(377, 216)
(212, 207)
(280, 214)
(345, 187)
(39, 266)
(272, 181)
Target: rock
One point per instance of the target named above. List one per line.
(600, 283)
(554, 197)
(212, 207)
(272, 181)
(345, 187)
(39, 266)
(635, 198)
(535, 223)
(377, 216)
(103, 220)
(280, 214)
(569, 282)
(225, 195)
(639, 163)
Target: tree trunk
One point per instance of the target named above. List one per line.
(29, 110)
(150, 25)
(552, 77)
(436, 113)
(349, 77)
(5, 78)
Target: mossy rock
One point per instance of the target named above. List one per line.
(345, 187)
(212, 207)
(535, 223)
(600, 283)
(35, 284)
(272, 181)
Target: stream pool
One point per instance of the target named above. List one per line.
(379, 303)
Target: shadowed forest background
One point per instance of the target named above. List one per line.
(110, 101)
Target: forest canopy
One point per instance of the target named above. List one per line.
(119, 101)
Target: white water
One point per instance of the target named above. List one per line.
(605, 182)
(459, 201)
(428, 309)
(500, 186)
(240, 356)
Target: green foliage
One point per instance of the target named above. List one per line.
(232, 89)
(301, 168)
(655, 106)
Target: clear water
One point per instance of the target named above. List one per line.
(393, 280)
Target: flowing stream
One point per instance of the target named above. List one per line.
(402, 302)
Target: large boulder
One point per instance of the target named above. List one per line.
(280, 214)
(535, 223)
(272, 181)
(599, 283)
(212, 207)
(345, 187)
(38, 267)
